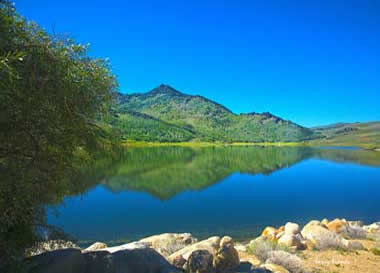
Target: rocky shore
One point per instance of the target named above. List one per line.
(286, 249)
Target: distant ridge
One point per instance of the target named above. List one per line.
(167, 114)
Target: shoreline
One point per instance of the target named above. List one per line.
(285, 249)
(201, 144)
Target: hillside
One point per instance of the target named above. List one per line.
(350, 134)
(165, 114)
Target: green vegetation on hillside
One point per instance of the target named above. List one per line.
(169, 115)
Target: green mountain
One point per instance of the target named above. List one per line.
(165, 114)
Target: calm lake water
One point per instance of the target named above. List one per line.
(216, 191)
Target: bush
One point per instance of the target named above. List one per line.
(291, 262)
(262, 247)
(330, 240)
(356, 232)
(376, 251)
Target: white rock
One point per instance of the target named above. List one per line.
(129, 246)
(292, 228)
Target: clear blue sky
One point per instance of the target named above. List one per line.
(313, 62)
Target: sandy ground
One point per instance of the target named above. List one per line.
(334, 261)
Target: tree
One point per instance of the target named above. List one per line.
(53, 98)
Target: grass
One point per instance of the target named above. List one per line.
(211, 144)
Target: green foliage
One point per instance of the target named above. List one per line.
(52, 100)
(376, 251)
(196, 118)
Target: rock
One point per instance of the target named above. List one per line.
(280, 234)
(241, 248)
(309, 245)
(312, 231)
(291, 241)
(129, 246)
(141, 260)
(226, 258)
(321, 237)
(355, 223)
(352, 245)
(338, 226)
(226, 240)
(58, 261)
(96, 246)
(314, 223)
(200, 261)
(246, 267)
(51, 245)
(373, 228)
(325, 222)
(169, 243)
(179, 261)
(270, 233)
(211, 245)
(292, 228)
(99, 262)
(274, 268)
(253, 260)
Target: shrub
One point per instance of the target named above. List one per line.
(330, 240)
(262, 247)
(289, 261)
(356, 232)
(376, 251)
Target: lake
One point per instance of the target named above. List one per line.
(220, 190)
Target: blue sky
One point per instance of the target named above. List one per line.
(313, 62)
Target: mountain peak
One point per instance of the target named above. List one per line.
(165, 89)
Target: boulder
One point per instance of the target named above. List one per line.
(246, 267)
(274, 268)
(325, 222)
(58, 261)
(226, 240)
(352, 245)
(129, 246)
(141, 260)
(291, 241)
(200, 261)
(226, 258)
(211, 245)
(168, 243)
(355, 223)
(292, 228)
(338, 226)
(179, 261)
(99, 262)
(253, 260)
(241, 248)
(373, 228)
(270, 233)
(95, 246)
(321, 237)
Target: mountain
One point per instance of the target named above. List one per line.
(365, 135)
(166, 114)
